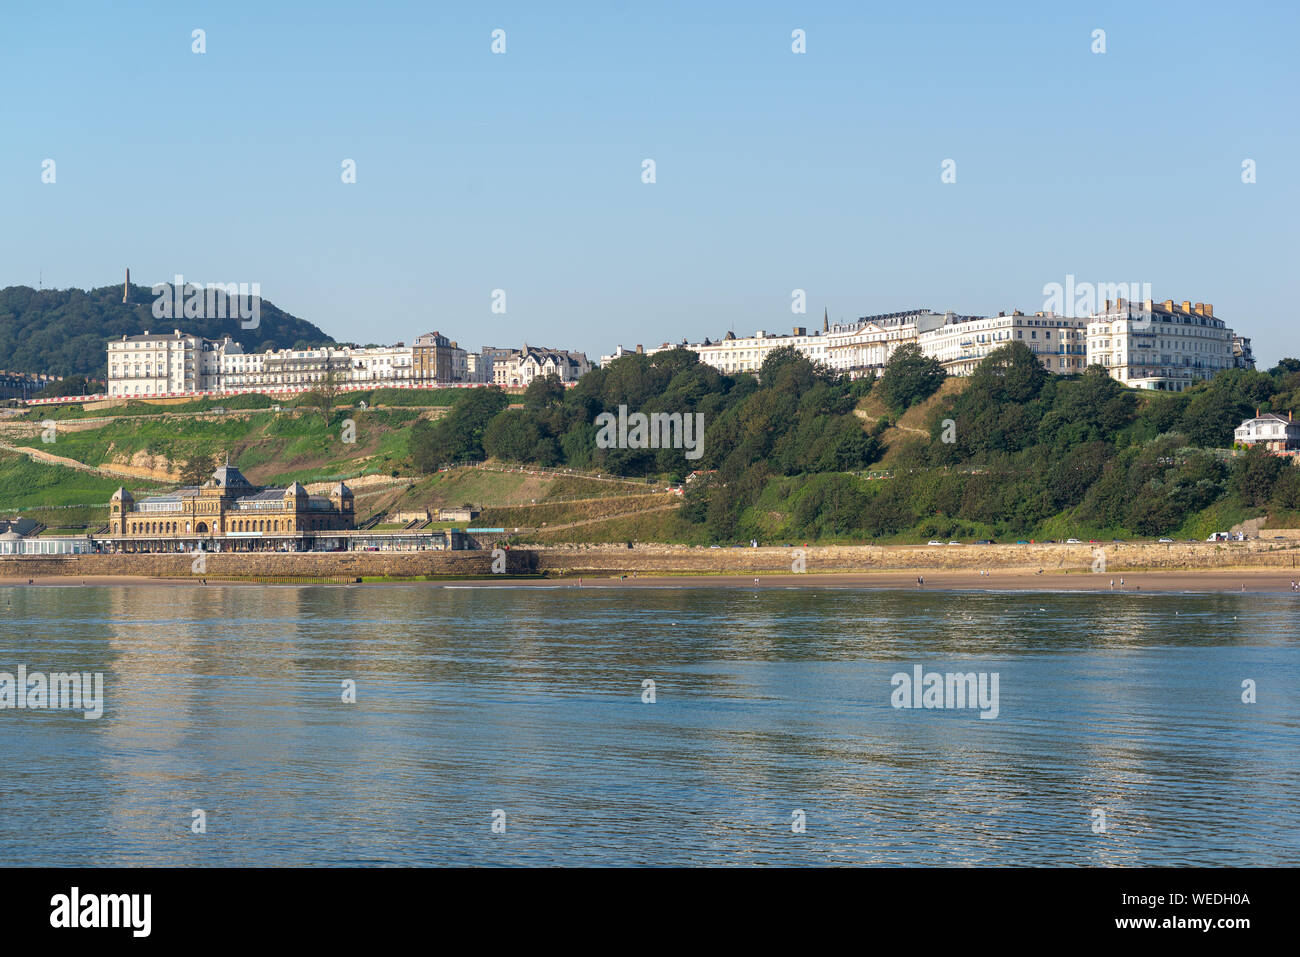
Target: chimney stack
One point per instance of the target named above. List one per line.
(126, 287)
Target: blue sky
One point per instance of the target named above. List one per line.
(775, 171)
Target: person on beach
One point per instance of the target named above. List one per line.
(1112, 584)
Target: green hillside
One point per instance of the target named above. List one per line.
(64, 331)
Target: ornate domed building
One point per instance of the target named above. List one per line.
(231, 509)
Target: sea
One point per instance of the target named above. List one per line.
(517, 725)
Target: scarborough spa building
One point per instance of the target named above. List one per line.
(231, 510)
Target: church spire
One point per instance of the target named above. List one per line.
(826, 322)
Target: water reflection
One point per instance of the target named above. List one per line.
(229, 698)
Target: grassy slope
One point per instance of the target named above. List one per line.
(269, 447)
(53, 494)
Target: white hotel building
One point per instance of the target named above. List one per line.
(1059, 343)
(157, 364)
(179, 364)
(154, 364)
(1164, 346)
(1148, 345)
(863, 348)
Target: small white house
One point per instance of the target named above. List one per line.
(1278, 433)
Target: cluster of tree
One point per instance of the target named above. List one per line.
(1013, 452)
(1019, 445)
(793, 417)
(65, 331)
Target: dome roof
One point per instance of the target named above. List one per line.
(228, 476)
(122, 495)
(296, 489)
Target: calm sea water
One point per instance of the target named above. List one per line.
(768, 701)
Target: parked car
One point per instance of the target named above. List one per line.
(1166, 541)
(1022, 542)
(936, 543)
(985, 541)
(954, 543)
(1073, 541)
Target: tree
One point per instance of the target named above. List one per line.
(910, 377)
(543, 391)
(198, 468)
(458, 435)
(1254, 474)
(324, 395)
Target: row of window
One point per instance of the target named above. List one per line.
(237, 525)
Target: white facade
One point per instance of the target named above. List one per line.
(521, 368)
(1164, 346)
(731, 355)
(1276, 432)
(151, 365)
(864, 347)
(159, 364)
(1148, 345)
(1060, 343)
(478, 367)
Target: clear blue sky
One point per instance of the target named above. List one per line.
(775, 171)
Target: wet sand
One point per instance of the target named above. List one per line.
(1243, 580)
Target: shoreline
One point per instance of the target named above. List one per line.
(1239, 581)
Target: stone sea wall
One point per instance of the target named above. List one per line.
(650, 559)
(268, 565)
(597, 560)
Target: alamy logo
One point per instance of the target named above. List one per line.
(58, 691)
(132, 911)
(930, 689)
(184, 300)
(657, 430)
(1079, 300)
